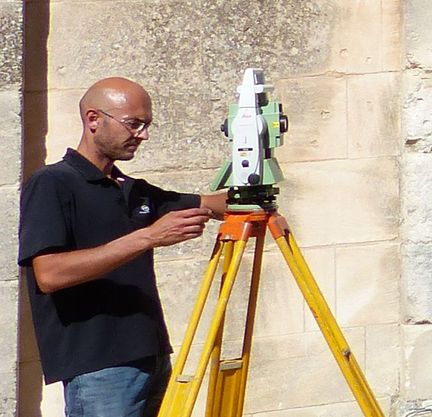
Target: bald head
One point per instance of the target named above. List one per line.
(110, 110)
(113, 93)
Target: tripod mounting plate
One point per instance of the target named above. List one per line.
(250, 198)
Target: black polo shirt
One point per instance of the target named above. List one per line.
(117, 318)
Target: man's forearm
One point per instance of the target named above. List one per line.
(62, 270)
(56, 271)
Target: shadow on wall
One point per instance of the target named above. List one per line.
(35, 126)
(36, 28)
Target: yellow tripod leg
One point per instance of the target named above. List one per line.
(219, 313)
(227, 399)
(182, 390)
(325, 319)
(250, 318)
(217, 349)
(177, 389)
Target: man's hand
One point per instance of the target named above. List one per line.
(178, 226)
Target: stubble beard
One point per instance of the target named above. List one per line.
(113, 149)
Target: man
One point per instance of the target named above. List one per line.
(86, 237)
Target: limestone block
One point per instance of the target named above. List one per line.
(8, 320)
(342, 201)
(156, 44)
(64, 124)
(367, 284)
(415, 378)
(392, 16)
(280, 304)
(10, 145)
(284, 37)
(8, 394)
(316, 110)
(355, 50)
(11, 41)
(417, 114)
(416, 200)
(346, 409)
(318, 346)
(321, 262)
(416, 281)
(188, 181)
(235, 320)
(169, 175)
(418, 35)
(280, 380)
(9, 207)
(52, 404)
(373, 115)
(382, 359)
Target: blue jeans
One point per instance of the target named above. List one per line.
(135, 389)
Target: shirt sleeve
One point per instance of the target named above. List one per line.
(43, 219)
(165, 201)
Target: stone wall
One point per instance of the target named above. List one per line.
(416, 225)
(336, 66)
(11, 41)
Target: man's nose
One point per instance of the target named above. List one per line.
(144, 134)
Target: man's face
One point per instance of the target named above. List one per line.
(118, 135)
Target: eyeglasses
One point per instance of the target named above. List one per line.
(135, 126)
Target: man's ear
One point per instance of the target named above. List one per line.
(92, 119)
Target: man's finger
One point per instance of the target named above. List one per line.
(197, 220)
(195, 212)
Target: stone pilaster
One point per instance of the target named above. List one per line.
(11, 67)
(416, 219)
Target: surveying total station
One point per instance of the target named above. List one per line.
(254, 127)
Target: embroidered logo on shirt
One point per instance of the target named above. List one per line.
(144, 209)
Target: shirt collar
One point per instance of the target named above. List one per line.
(86, 168)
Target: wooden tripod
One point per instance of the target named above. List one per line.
(228, 378)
